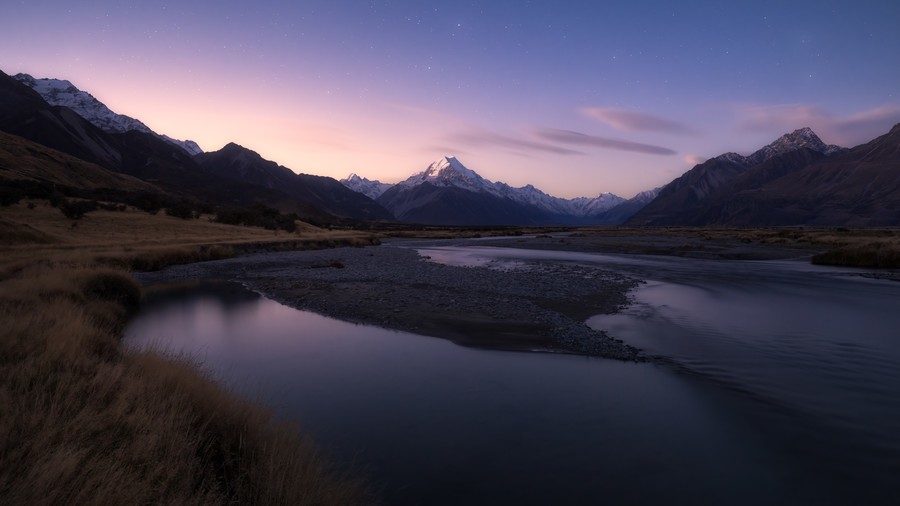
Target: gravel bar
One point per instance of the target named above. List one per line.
(540, 306)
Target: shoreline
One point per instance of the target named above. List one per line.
(541, 308)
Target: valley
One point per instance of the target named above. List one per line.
(733, 323)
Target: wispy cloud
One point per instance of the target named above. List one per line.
(487, 138)
(444, 150)
(570, 137)
(845, 130)
(630, 121)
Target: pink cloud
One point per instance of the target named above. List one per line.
(631, 121)
(570, 137)
(486, 138)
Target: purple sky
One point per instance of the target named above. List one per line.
(576, 98)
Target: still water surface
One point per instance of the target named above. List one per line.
(778, 383)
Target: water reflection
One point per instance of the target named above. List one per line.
(440, 424)
(811, 354)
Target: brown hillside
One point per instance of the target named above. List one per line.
(21, 159)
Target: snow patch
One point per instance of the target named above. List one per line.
(63, 93)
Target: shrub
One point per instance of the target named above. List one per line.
(148, 202)
(56, 198)
(183, 210)
(10, 196)
(76, 210)
(257, 216)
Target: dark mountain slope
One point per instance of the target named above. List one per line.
(857, 188)
(733, 202)
(143, 155)
(685, 194)
(241, 164)
(24, 160)
(450, 205)
(24, 113)
(798, 182)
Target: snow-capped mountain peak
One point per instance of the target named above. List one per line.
(448, 171)
(798, 139)
(63, 93)
(371, 189)
(732, 157)
(646, 196)
(188, 145)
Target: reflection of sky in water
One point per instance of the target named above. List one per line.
(815, 347)
(439, 422)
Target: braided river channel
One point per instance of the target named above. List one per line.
(770, 382)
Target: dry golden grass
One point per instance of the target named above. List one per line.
(140, 241)
(84, 422)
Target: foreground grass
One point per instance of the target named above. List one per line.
(86, 422)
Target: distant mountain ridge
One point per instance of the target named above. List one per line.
(796, 180)
(63, 93)
(241, 164)
(428, 197)
(148, 157)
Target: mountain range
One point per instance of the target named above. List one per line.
(169, 168)
(57, 134)
(449, 193)
(796, 180)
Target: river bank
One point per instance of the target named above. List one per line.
(90, 422)
(535, 307)
(784, 372)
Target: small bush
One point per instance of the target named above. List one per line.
(183, 210)
(257, 216)
(150, 203)
(10, 196)
(75, 210)
(112, 206)
(56, 198)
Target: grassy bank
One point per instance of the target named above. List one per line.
(86, 422)
(870, 255)
(861, 247)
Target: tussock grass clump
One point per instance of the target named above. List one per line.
(85, 422)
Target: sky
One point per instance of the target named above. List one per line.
(576, 98)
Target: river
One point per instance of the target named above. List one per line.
(774, 382)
